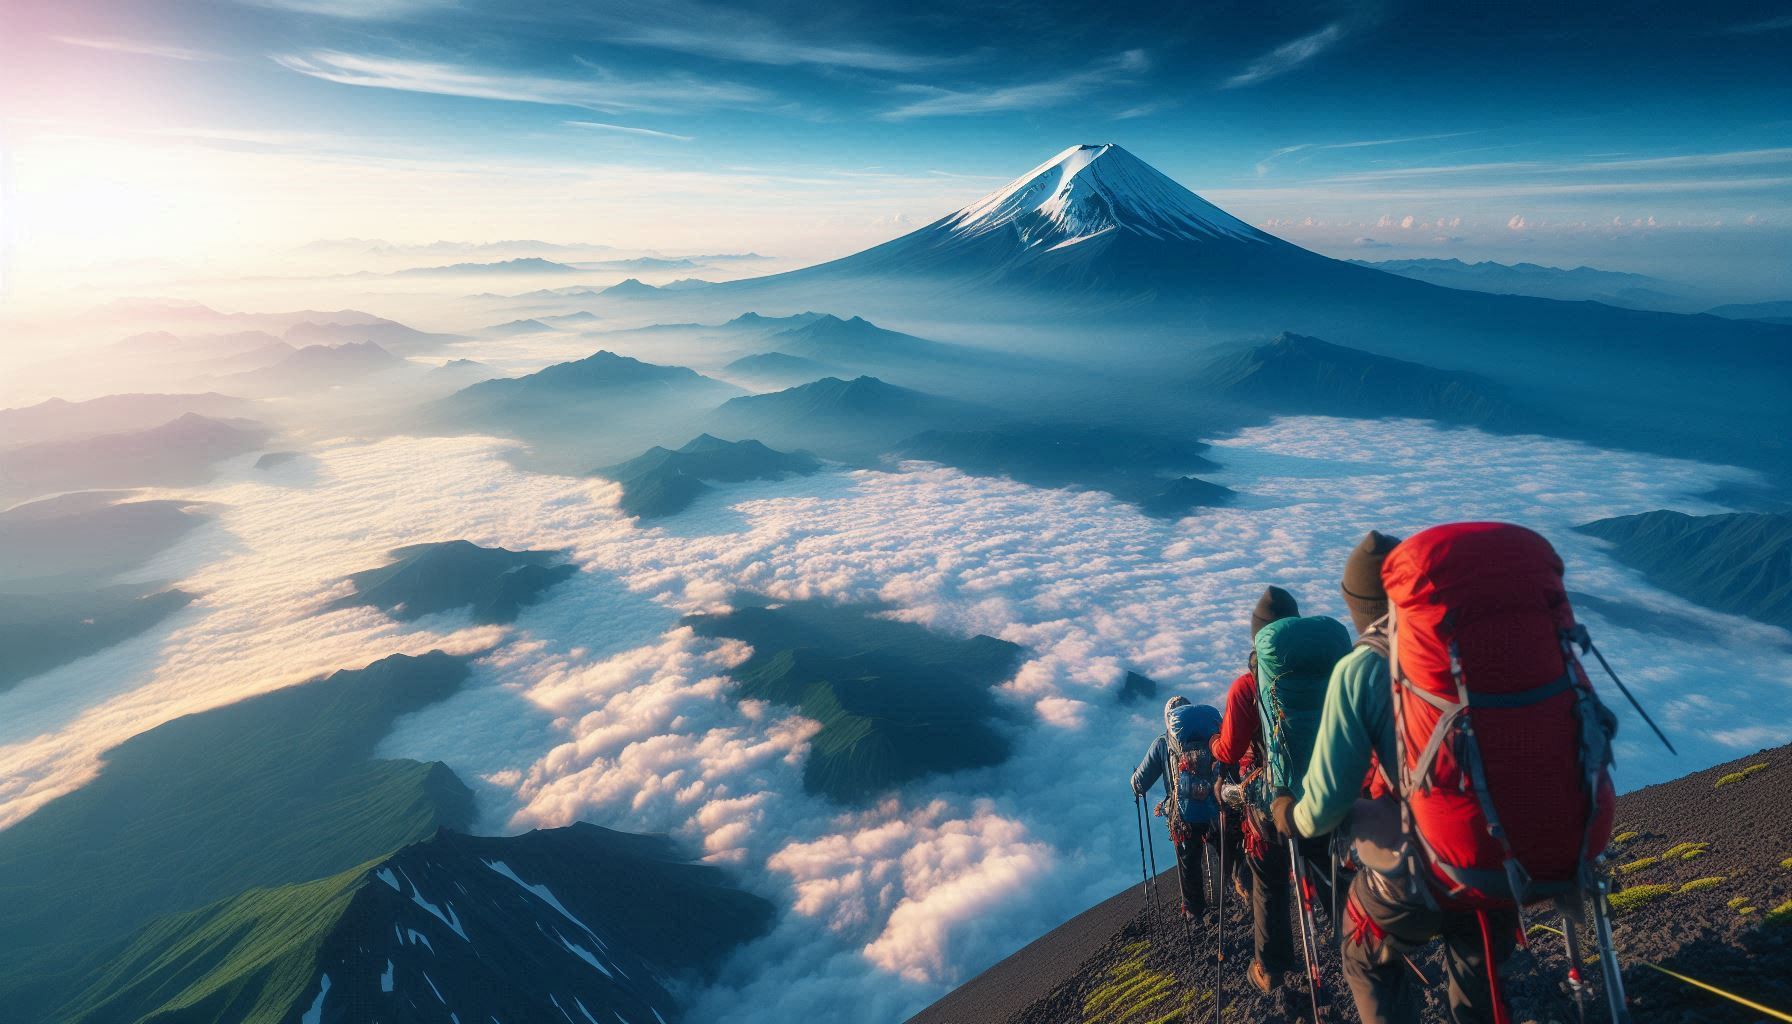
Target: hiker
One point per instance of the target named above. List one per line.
(1181, 758)
(1235, 748)
(1464, 583)
(1293, 659)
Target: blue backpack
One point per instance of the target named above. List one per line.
(1188, 765)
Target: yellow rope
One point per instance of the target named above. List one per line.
(1713, 989)
(1757, 1007)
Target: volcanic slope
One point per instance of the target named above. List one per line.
(577, 922)
(276, 789)
(1703, 868)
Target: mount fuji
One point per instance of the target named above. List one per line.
(1094, 218)
(1095, 255)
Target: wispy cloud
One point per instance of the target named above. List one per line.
(625, 129)
(1305, 147)
(730, 33)
(600, 91)
(1288, 56)
(1777, 24)
(357, 10)
(1684, 161)
(136, 46)
(1035, 95)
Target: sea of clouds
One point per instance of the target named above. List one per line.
(597, 705)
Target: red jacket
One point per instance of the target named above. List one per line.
(1241, 729)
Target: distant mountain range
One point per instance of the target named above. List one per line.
(180, 452)
(388, 333)
(1580, 284)
(589, 384)
(58, 420)
(521, 265)
(81, 539)
(660, 482)
(316, 368)
(40, 631)
(1739, 562)
(1766, 312)
(1142, 468)
(779, 370)
(515, 328)
(495, 583)
(1109, 261)
(845, 419)
(895, 701)
(1295, 375)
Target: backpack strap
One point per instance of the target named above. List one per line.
(1376, 638)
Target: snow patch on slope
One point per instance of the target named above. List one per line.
(1087, 191)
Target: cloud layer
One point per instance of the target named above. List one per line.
(597, 705)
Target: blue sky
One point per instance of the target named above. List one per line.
(1639, 135)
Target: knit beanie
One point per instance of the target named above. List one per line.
(1274, 605)
(1363, 593)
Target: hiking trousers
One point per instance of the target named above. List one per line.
(1191, 868)
(1385, 921)
(1272, 927)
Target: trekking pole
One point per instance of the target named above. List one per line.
(1309, 938)
(1151, 888)
(1608, 954)
(1138, 814)
(1575, 985)
(1219, 928)
(1585, 639)
(1332, 847)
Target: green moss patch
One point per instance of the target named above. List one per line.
(1624, 837)
(1638, 865)
(1781, 914)
(1735, 777)
(1787, 863)
(1636, 896)
(1684, 851)
(1698, 884)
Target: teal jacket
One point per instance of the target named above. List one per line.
(1358, 721)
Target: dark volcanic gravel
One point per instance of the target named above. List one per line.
(1705, 865)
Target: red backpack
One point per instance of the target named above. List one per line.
(1504, 747)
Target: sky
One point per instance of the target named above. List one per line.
(1645, 136)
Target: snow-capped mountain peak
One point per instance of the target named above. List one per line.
(1087, 191)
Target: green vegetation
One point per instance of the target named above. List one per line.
(1698, 884)
(1136, 994)
(1787, 863)
(1740, 905)
(248, 958)
(1781, 914)
(895, 701)
(1684, 851)
(424, 578)
(1735, 777)
(1634, 897)
(661, 482)
(1638, 865)
(273, 790)
(1623, 837)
